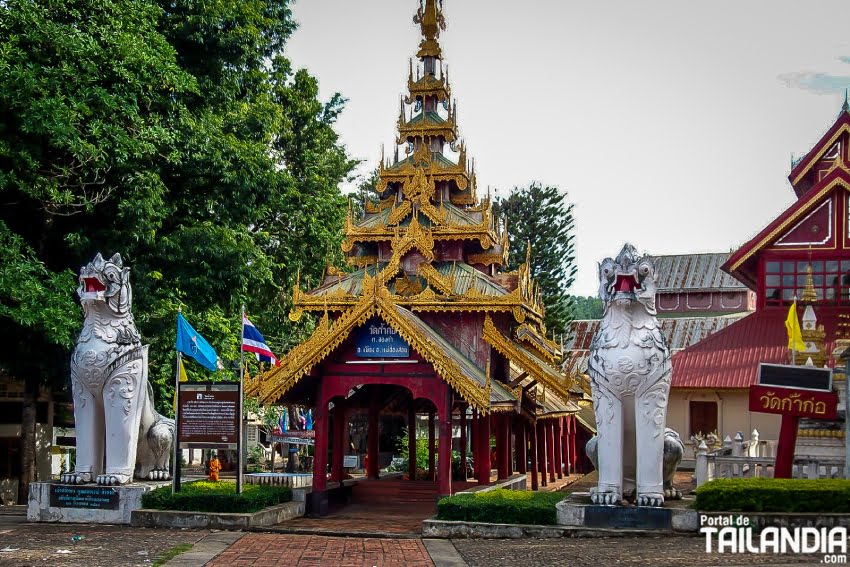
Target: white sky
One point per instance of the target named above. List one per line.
(670, 123)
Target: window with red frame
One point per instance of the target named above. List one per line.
(786, 279)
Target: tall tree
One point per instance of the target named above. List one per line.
(86, 101)
(541, 216)
(173, 132)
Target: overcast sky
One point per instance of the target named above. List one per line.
(669, 123)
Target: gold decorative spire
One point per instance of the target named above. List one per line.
(809, 295)
(431, 21)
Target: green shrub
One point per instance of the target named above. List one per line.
(774, 495)
(209, 496)
(501, 506)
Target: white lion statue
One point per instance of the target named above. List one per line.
(630, 374)
(116, 423)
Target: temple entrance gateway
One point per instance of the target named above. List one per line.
(427, 331)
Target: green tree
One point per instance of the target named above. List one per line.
(365, 193)
(86, 99)
(587, 307)
(541, 216)
(177, 134)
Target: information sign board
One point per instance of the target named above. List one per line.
(89, 497)
(208, 415)
(799, 377)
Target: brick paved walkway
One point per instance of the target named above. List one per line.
(315, 551)
(353, 519)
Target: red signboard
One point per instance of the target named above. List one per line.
(793, 402)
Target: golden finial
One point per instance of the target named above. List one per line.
(809, 295)
(528, 252)
(431, 21)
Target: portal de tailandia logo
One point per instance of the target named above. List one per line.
(737, 534)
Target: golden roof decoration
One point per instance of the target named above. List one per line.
(431, 21)
(809, 294)
(539, 369)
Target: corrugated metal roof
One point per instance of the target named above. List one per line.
(468, 368)
(681, 333)
(455, 216)
(730, 358)
(467, 277)
(691, 272)
(587, 417)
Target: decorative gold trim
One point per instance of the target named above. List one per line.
(445, 284)
(779, 229)
(301, 359)
(445, 366)
(508, 349)
(824, 148)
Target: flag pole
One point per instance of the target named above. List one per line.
(794, 342)
(241, 444)
(175, 483)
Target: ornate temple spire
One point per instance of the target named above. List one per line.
(846, 106)
(809, 295)
(431, 21)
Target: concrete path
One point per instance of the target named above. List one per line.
(204, 550)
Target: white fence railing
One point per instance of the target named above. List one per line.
(755, 458)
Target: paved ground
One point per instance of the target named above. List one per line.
(608, 552)
(24, 544)
(376, 520)
(314, 551)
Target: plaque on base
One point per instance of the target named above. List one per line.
(85, 503)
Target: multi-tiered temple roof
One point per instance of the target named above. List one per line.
(426, 259)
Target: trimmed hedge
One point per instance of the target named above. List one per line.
(501, 506)
(774, 495)
(209, 496)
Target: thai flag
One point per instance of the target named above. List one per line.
(253, 341)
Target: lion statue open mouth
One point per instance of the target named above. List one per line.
(119, 432)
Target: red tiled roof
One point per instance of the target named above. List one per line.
(681, 332)
(730, 358)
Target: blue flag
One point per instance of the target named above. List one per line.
(190, 343)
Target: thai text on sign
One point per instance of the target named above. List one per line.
(798, 403)
(376, 339)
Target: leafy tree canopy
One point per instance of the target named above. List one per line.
(541, 216)
(178, 134)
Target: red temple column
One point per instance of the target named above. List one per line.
(541, 452)
(473, 440)
(559, 449)
(411, 439)
(338, 447)
(432, 440)
(372, 446)
(444, 486)
(319, 494)
(565, 442)
(463, 443)
(501, 446)
(521, 443)
(509, 461)
(320, 454)
(532, 447)
(550, 446)
(573, 433)
(482, 464)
